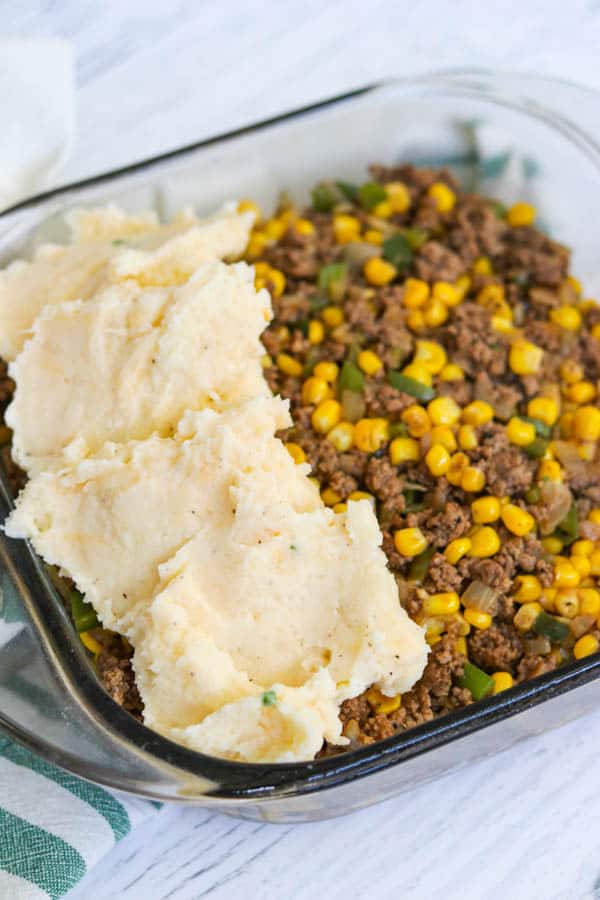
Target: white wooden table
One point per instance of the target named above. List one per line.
(153, 75)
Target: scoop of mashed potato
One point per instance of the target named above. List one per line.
(131, 360)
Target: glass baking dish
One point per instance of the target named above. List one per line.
(504, 133)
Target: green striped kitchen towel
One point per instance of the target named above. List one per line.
(53, 826)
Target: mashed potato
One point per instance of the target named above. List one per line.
(130, 361)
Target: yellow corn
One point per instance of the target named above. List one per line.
(582, 548)
(316, 332)
(549, 470)
(477, 413)
(289, 365)
(458, 464)
(571, 371)
(463, 286)
(525, 358)
(552, 544)
(525, 617)
(492, 296)
(574, 283)
(441, 434)
(296, 452)
(543, 408)
(594, 516)
(330, 497)
(529, 588)
(404, 449)
(417, 420)
(381, 704)
(521, 214)
(430, 355)
(517, 520)
(326, 415)
(275, 229)
(250, 206)
(585, 646)
(418, 371)
(447, 293)
(587, 451)
(333, 316)
(472, 479)
(456, 549)
(443, 411)
(502, 681)
(461, 646)
(340, 507)
(266, 361)
(90, 642)
(485, 510)
(346, 229)
(467, 437)
(482, 266)
(478, 619)
(361, 495)
(444, 604)
(484, 542)
(410, 541)
(581, 392)
(586, 423)
(328, 371)
(519, 432)
(589, 601)
(398, 196)
(437, 460)
(582, 565)
(415, 320)
(374, 236)
(452, 372)
(565, 574)
(369, 362)
(435, 313)
(567, 317)
(304, 227)
(314, 391)
(342, 436)
(416, 293)
(379, 271)
(383, 210)
(370, 434)
(443, 196)
(566, 603)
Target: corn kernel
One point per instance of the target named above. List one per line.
(502, 682)
(461, 646)
(517, 520)
(304, 227)
(437, 460)
(333, 316)
(482, 266)
(463, 286)
(398, 196)
(526, 616)
(446, 292)
(340, 508)
(256, 244)
(417, 420)
(586, 423)
(444, 197)
(582, 548)
(374, 236)
(521, 214)
(477, 413)
(444, 604)
(418, 371)
(589, 602)
(472, 479)
(552, 544)
(330, 497)
(289, 365)
(567, 317)
(485, 510)
(566, 424)
(326, 416)
(575, 284)
(346, 229)
(314, 391)
(492, 296)
(520, 432)
(458, 464)
(585, 646)
(543, 408)
(456, 549)
(529, 588)
(549, 470)
(467, 437)
(478, 619)
(415, 320)
(566, 603)
(316, 332)
(587, 451)
(581, 392)
(565, 574)
(410, 541)
(452, 372)
(430, 355)
(370, 434)
(441, 434)
(596, 331)
(342, 436)
(500, 324)
(547, 599)
(404, 449)
(275, 229)
(383, 210)
(369, 362)
(381, 704)
(416, 293)
(571, 371)
(443, 411)
(525, 358)
(296, 452)
(361, 495)
(435, 313)
(594, 516)
(582, 565)
(484, 542)
(328, 371)
(250, 206)
(379, 271)
(266, 361)
(595, 563)
(90, 642)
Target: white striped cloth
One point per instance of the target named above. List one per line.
(53, 826)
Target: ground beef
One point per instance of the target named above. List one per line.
(383, 400)
(381, 477)
(442, 576)
(441, 527)
(495, 649)
(436, 262)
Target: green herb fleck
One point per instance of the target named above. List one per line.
(411, 386)
(323, 198)
(549, 627)
(84, 616)
(415, 237)
(568, 529)
(351, 378)
(541, 428)
(398, 429)
(420, 565)
(349, 190)
(331, 277)
(371, 193)
(477, 681)
(293, 547)
(269, 698)
(537, 448)
(117, 242)
(396, 250)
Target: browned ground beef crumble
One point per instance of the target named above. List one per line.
(533, 272)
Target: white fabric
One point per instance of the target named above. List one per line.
(16, 888)
(37, 110)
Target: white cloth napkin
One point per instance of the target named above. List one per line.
(37, 111)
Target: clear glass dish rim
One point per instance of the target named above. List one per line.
(246, 781)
